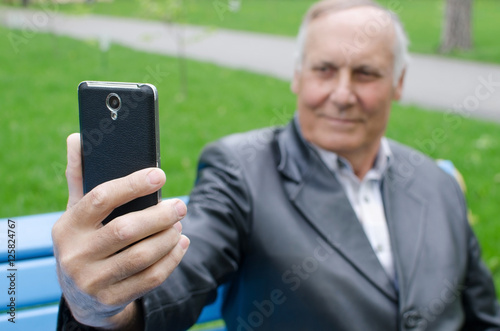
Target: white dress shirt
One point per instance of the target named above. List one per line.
(366, 199)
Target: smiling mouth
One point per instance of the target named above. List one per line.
(338, 120)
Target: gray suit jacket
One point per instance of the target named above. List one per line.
(269, 219)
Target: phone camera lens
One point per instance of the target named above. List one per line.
(113, 102)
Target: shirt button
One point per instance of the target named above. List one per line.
(412, 319)
(366, 199)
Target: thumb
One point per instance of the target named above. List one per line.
(74, 170)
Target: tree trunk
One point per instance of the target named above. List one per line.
(457, 34)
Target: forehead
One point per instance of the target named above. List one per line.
(360, 34)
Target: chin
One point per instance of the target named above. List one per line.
(337, 142)
(336, 146)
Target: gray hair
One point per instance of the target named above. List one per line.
(401, 55)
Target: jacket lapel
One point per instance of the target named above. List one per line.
(405, 212)
(319, 197)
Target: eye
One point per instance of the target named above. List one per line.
(324, 70)
(366, 75)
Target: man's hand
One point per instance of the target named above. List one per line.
(100, 277)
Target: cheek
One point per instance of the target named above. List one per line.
(375, 102)
(314, 94)
(376, 105)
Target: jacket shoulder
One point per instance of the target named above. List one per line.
(422, 171)
(414, 160)
(246, 146)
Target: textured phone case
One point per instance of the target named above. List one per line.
(113, 148)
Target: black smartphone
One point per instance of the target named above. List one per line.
(119, 135)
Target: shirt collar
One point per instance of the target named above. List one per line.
(337, 163)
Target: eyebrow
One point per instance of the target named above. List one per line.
(324, 63)
(359, 67)
(368, 68)
(335, 65)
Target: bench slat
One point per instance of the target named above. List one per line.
(40, 318)
(33, 236)
(35, 283)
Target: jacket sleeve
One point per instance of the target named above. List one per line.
(217, 224)
(481, 306)
(482, 310)
(66, 321)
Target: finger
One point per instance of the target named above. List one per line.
(141, 255)
(74, 169)
(128, 229)
(100, 202)
(141, 283)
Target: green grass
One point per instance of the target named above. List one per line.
(422, 19)
(38, 104)
(208, 325)
(39, 109)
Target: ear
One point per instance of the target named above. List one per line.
(295, 84)
(398, 90)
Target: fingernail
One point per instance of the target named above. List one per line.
(154, 177)
(178, 226)
(184, 242)
(181, 208)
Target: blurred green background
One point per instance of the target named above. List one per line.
(423, 19)
(38, 103)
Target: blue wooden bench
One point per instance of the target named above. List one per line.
(37, 290)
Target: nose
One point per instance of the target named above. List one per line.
(342, 94)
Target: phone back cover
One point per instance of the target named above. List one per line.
(116, 148)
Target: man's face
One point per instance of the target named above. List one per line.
(345, 86)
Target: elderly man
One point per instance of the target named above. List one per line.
(321, 225)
